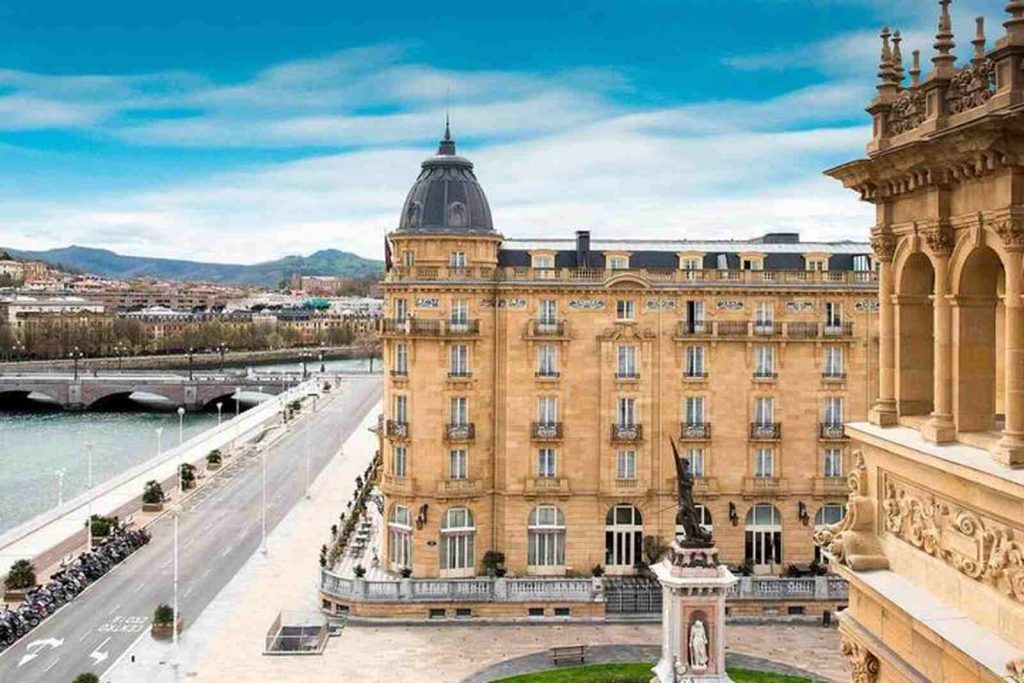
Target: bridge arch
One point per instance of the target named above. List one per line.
(27, 398)
(131, 399)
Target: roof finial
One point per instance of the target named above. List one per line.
(885, 62)
(447, 146)
(1015, 24)
(915, 69)
(979, 41)
(897, 59)
(944, 42)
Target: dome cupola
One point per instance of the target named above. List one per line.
(446, 197)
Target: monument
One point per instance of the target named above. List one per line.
(694, 586)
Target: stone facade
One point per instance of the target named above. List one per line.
(506, 324)
(932, 543)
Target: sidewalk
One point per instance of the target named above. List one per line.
(225, 642)
(48, 537)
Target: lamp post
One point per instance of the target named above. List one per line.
(75, 355)
(181, 425)
(16, 350)
(88, 505)
(175, 513)
(159, 440)
(60, 485)
(119, 351)
(305, 447)
(190, 352)
(219, 406)
(238, 402)
(263, 541)
(322, 368)
(305, 355)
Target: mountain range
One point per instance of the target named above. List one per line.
(110, 264)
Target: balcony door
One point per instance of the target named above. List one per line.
(623, 538)
(763, 542)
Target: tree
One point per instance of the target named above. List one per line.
(163, 614)
(21, 576)
(153, 493)
(188, 475)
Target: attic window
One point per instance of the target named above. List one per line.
(618, 262)
(722, 262)
(816, 264)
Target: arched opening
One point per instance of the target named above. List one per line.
(828, 514)
(230, 404)
(915, 346)
(27, 401)
(457, 543)
(623, 538)
(763, 537)
(132, 402)
(545, 536)
(978, 318)
(399, 538)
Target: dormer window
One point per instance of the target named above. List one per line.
(618, 262)
(690, 263)
(862, 263)
(753, 264)
(815, 264)
(543, 265)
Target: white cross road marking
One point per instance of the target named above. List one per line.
(98, 655)
(39, 646)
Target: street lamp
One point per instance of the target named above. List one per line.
(238, 400)
(219, 406)
(175, 513)
(60, 485)
(181, 425)
(16, 349)
(263, 461)
(190, 352)
(119, 351)
(88, 506)
(75, 355)
(322, 368)
(159, 439)
(305, 447)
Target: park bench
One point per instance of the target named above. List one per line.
(569, 653)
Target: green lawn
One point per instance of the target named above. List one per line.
(632, 673)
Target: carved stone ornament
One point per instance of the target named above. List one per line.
(1016, 669)
(883, 244)
(586, 304)
(729, 305)
(626, 333)
(866, 305)
(852, 541)
(908, 111)
(971, 86)
(982, 548)
(940, 240)
(1010, 231)
(863, 664)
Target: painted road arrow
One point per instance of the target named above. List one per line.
(39, 646)
(97, 655)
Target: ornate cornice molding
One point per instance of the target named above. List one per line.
(863, 665)
(853, 540)
(985, 549)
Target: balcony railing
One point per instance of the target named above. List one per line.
(731, 328)
(629, 375)
(395, 483)
(766, 431)
(400, 374)
(835, 329)
(694, 328)
(460, 487)
(695, 374)
(397, 430)
(765, 375)
(460, 432)
(833, 375)
(541, 486)
(695, 431)
(831, 431)
(548, 374)
(547, 328)
(764, 486)
(429, 327)
(546, 431)
(627, 433)
(831, 486)
(766, 328)
(460, 374)
(738, 329)
(802, 330)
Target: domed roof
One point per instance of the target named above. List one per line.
(446, 197)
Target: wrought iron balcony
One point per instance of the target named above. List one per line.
(731, 328)
(831, 431)
(546, 431)
(547, 328)
(397, 430)
(765, 375)
(548, 374)
(460, 374)
(802, 330)
(400, 374)
(766, 328)
(838, 329)
(766, 431)
(833, 375)
(694, 328)
(695, 431)
(627, 433)
(460, 432)
(628, 376)
(695, 374)
(429, 327)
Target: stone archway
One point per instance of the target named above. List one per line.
(915, 345)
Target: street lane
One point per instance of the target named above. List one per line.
(218, 531)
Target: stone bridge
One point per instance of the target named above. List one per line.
(88, 391)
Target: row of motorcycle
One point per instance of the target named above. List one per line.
(69, 581)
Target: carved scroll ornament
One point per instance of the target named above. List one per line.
(884, 245)
(940, 240)
(971, 86)
(908, 111)
(852, 541)
(1010, 231)
(863, 664)
(984, 549)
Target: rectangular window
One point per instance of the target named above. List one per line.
(618, 262)
(833, 411)
(695, 317)
(764, 410)
(694, 410)
(458, 463)
(764, 314)
(696, 457)
(457, 259)
(694, 361)
(459, 312)
(401, 359)
(624, 309)
(834, 361)
(399, 461)
(409, 258)
(547, 409)
(627, 361)
(689, 263)
(862, 263)
(401, 309)
(400, 408)
(722, 261)
(764, 462)
(833, 462)
(460, 410)
(625, 465)
(626, 413)
(458, 360)
(764, 361)
(816, 265)
(546, 463)
(833, 314)
(543, 261)
(548, 312)
(547, 360)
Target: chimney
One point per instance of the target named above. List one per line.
(582, 248)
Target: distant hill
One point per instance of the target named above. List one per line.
(269, 273)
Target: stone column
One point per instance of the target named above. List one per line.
(883, 412)
(1010, 449)
(940, 428)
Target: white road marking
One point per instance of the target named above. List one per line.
(227, 551)
(85, 635)
(98, 655)
(116, 607)
(189, 590)
(138, 588)
(52, 664)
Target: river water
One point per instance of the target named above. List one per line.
(34, 446)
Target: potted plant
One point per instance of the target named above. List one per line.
(101, 525)
(20, 578)
(153, 497)
(188, 476)
(597, 571)
(214, 459)
(327, 387)
(86, 678)
(359, 570)
(406, 572)
(164, 622)
(494, 563)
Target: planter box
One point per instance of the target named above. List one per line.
(152, 507)
(213, 466)
(15, 595)
(163, 631)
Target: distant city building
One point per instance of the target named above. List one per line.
(13, 308)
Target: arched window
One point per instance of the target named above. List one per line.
(400, 538)
(623, 537)
(830, 513)
(703, 518)
(763, 544)
(546, 537)
(457, 540)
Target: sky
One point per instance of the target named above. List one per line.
(243, 132)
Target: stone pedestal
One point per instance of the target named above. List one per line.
(694, 586)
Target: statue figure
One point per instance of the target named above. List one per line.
(698, 646)
(686, 514)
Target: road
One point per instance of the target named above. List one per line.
(219, 529)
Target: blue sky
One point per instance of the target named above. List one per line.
(246, 131)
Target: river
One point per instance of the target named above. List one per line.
(34, 446)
